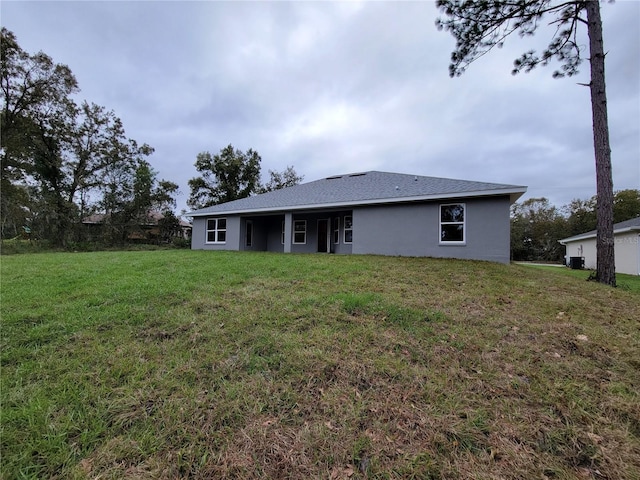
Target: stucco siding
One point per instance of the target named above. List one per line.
(627, 252)
(414, 230)
(411, 229)
(198, 229)
(395, 230)
(627, 247)
(583, 248)
(199, 234)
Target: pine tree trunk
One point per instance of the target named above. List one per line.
(604, 181)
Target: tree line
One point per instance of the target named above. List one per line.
(63, 162)
(537, 225)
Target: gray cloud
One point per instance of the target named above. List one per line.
(336, 87)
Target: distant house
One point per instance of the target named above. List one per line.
(147, 229)
(367, 213)
(627, 247)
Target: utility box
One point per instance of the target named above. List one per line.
(576, 263)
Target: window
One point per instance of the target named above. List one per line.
(300, 231)
(216, 230)
(336, 230)
(452, 223)
(348, 229)
(282, 234)
(249, 234)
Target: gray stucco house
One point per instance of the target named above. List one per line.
(367, 213)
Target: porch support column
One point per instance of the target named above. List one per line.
(288, 226)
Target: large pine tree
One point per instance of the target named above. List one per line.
(479, 26)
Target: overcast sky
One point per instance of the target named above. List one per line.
(338, 87)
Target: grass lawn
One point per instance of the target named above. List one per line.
(624, 282)
(183, 364)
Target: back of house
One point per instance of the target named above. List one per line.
(367, 213)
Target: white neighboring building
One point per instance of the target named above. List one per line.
(627, 247)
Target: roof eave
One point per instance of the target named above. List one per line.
(564, 241)
(513, 193)
(586, 236)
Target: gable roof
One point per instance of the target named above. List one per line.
(365, 188)
(631, 225)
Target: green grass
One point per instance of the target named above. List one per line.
(184, 364)
(623, 281)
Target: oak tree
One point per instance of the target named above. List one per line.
(536, 227)
(36, 109)
(284, 179)
(229, 175)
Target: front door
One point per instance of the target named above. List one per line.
(323, 236)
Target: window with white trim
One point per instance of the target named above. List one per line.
(216, 230)
(348, 229)
(452, 223)
(336, 230)
(299, 231)
(282, 234)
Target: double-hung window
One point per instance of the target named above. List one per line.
(452, 223)
(348, 229)
(299, 231)
(336, 230)
(216, 230)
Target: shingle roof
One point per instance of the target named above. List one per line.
(633, 224)
(364, 188)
